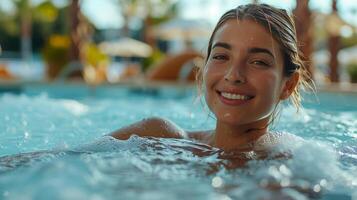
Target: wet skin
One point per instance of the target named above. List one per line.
(244, 82)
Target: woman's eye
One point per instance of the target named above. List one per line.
(219, 57)
(260, 63)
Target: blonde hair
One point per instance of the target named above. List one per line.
(282, 27)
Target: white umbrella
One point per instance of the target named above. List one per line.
(126, 47)
(183, 28)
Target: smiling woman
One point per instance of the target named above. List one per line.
(252, 65)
(244, 81)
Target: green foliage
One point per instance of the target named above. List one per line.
(56, 51)
(154, 58)
(352, 71)
(46, 12)
(46, 20)
(349, 41)
(93, 56)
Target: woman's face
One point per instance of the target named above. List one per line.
(243, 76)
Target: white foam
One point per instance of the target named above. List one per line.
(74, 107)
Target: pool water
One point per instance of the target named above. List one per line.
(52, 147)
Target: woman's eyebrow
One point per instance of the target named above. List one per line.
(260, 50)
(223, 45)
(250, 50)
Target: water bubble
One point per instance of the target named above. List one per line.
(323, 182)
(274, 172)
(217, 182)
(285, 182)
(26, 135)
(284, 170)
(354, 183)
(317, 188)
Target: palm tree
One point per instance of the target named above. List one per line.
(152, 13)
(25, 12)
(74, 15)
(304, 31)
(334, 47)
(80, 33)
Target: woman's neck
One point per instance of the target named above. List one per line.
(241, 137)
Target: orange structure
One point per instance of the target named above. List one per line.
(170, 67)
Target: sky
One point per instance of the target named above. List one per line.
(106, 13)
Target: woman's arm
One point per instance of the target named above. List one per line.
(150, 127)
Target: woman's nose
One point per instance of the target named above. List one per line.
(235, 74)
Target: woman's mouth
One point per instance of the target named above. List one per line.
(234, 98)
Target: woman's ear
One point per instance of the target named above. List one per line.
(290, 85)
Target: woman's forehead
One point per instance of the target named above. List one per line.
(247, 32)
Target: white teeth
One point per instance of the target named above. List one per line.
(234, 96)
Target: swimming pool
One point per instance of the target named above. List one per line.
(64, 124)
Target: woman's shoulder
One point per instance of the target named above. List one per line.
(151, 127)
(278, 138)
(201, 136)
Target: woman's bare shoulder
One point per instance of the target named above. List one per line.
(201, 136)
(151, 127)
(277, 139)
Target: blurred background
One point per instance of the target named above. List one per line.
(114, 41)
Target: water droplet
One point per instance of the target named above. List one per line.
(284, 170)
(26, 135)
(227, 115)
(317, 188)
(323, 182)
(285, 182)
(217, 182)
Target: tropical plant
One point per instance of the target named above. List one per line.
(91, 55)
(352, 71)
(95, 63)
(56, 54)
(152, 12)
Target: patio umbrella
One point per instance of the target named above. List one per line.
(183, 28)
(126, 47)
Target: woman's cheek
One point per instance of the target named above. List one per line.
(212, 72)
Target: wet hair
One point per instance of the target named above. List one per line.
(282, 28)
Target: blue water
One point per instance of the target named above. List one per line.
(51, 147)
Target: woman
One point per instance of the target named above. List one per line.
(252, 65)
